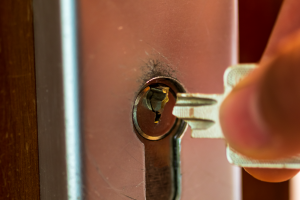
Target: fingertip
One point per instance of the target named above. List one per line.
(260, 117)
(240, 122)
(272, 175)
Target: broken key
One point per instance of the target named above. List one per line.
(201, 112)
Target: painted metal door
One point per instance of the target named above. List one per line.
(117, 46)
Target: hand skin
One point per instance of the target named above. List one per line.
(260, 118)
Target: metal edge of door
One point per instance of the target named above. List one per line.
(294, 192)
(237, 172)
(58, 103)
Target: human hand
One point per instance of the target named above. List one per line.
(261, 116)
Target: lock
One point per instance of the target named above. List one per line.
(161, 133)
(152, 111)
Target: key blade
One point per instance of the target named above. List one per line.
(201, 112)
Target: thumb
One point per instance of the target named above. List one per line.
(260, 118)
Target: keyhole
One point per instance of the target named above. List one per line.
(157, 117)
(156, 99)
(160, 132)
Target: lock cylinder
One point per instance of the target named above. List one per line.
(160, 132)
(152, 111)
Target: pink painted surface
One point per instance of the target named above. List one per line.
(197, 39)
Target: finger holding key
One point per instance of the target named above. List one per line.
(261, 116)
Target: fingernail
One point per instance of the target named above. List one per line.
(241, 120)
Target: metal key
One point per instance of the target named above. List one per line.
(201, 112)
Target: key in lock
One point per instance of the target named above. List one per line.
(161, 132)
(201, 112)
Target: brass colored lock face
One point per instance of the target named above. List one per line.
(152, 111)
